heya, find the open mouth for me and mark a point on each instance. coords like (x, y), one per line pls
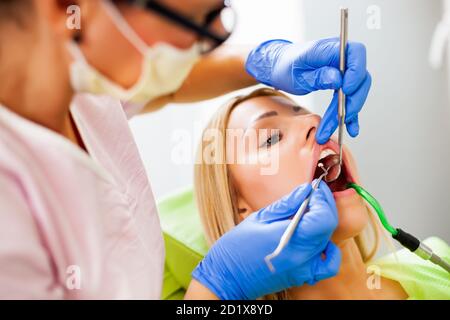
(329, 158)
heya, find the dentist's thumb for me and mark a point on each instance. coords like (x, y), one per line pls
(286, 207)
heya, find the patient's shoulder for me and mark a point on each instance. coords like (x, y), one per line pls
(421, 279)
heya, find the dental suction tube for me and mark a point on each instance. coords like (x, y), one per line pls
(407, 240)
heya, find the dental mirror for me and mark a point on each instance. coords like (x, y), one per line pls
(333, 166)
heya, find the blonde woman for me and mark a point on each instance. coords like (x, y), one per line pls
(228, 191)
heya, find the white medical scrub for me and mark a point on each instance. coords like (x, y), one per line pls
(73, 225)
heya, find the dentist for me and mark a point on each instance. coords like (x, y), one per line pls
(77, 215)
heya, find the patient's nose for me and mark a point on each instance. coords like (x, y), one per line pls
(307, 126)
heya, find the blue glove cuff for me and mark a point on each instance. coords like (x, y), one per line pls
(222, 288)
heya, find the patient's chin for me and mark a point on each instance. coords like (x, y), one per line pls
(352, 218)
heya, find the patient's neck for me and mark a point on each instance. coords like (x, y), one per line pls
(349, 283)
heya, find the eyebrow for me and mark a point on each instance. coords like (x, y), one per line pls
(265, 115)
(268, 114)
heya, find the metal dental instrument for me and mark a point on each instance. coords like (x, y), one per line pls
(287, 235)
(341, 96)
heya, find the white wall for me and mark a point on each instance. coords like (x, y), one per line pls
(403, 148)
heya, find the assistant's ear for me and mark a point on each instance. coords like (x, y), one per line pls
(65, 16)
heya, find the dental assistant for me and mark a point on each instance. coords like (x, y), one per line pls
(77, 215)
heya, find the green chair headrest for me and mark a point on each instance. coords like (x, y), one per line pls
(184, 240)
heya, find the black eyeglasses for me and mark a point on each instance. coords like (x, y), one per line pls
(209, 40)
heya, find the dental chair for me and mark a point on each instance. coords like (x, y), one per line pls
(184, 241)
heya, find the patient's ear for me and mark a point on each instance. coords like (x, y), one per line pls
(243, 209)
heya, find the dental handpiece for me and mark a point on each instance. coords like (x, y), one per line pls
(422, 250)
(287, 235)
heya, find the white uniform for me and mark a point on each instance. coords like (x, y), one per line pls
(73, 225)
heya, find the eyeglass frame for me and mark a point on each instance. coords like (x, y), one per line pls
(180, 19)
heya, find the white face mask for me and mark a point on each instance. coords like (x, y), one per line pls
(164, 67)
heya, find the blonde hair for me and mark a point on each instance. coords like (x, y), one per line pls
(216, 194)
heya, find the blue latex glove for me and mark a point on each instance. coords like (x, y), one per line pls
(235, 268)
(301, 69)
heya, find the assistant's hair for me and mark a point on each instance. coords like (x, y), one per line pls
(216, 194)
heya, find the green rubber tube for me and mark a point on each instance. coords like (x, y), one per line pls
(375, 205)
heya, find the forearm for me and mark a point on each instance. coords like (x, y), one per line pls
(197, 291)
(218, 73)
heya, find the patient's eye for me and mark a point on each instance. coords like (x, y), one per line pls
(273, 139)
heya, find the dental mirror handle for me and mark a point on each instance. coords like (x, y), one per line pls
(342, 65)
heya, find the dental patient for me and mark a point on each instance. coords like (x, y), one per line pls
(237, 183)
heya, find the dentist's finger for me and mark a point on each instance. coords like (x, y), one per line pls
(323, 78)
(323, 187)
(353, 127)
(328, 194)
(286, 207)
(356, 67)
(320, 221)
(354, 104)
(355, 101)
(329, 121)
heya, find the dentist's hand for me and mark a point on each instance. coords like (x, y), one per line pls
(301, 69)
(235, 268)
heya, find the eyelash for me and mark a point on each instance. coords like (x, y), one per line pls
(268, 144)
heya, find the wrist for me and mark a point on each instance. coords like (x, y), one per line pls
(198, 291)
(214, 275)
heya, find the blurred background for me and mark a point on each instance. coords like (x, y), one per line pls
(403, 149)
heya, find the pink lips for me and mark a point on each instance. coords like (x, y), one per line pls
(331, 144)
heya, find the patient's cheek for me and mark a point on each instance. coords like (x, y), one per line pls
(260, 190)
(353, 218)
(264, 191)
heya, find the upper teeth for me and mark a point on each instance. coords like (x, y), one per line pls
(325, 153)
